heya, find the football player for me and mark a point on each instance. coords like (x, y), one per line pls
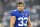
(20, 17)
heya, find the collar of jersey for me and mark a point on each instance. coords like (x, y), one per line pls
(19, 11)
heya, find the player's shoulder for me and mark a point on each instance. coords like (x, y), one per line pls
(26, 11)
(13, 11)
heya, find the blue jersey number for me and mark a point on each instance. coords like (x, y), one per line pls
(22, 23)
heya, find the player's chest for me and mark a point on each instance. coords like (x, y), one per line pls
(22, 15)
(22, 19)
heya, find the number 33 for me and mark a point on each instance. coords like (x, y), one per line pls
(22, 23)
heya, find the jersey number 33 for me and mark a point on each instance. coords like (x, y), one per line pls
(23, 21)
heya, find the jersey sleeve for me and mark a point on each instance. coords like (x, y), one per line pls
(28, 13)
(12, 13)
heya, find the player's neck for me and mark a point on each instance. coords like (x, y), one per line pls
(22, 11)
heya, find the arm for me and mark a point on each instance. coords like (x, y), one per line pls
(12, 21)
(29, 22)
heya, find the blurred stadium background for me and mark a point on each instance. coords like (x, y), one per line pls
(33, 6)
